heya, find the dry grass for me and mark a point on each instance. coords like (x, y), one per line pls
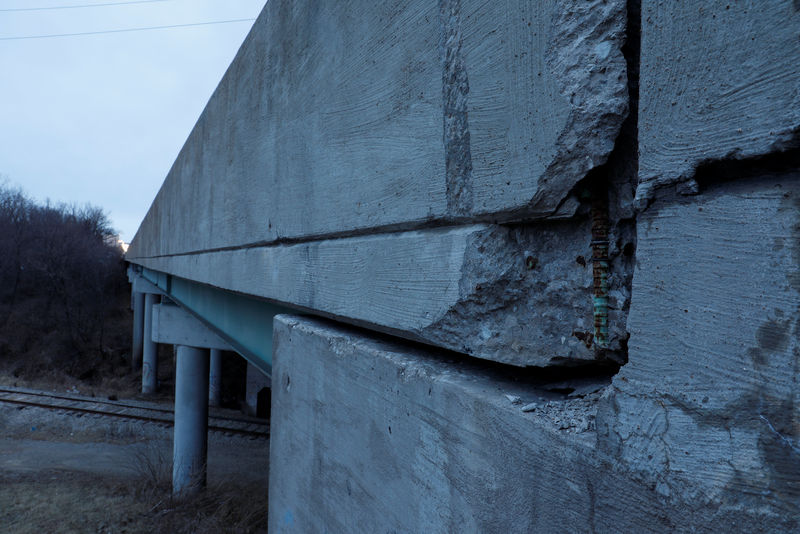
(70, 502)
(221, 507)
(67, 502)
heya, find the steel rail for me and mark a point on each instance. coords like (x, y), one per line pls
(138, 417)
(120, 404)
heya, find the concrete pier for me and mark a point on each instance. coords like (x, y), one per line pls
(138, 329)
(215, 378)
(256, 382)
(149, 348)
(191, 421)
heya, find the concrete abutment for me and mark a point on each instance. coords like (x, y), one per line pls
(372, 435)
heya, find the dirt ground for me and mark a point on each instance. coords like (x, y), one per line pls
(60, 472)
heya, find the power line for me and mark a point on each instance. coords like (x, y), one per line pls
(123, 30)
(83, 5)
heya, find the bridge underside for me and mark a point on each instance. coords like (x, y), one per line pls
(243, 321)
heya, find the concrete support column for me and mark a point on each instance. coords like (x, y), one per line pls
(215, 378)
(256, 382)
(190, 445)
(149, 348)
(138, 329)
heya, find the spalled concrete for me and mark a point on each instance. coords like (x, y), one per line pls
(711, 393)
(372, 436)
(535, 94)
(519, 294)
(343, 117)
(718, 80)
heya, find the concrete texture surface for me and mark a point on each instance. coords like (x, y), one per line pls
(343, 117)
(719, 80)
(710, 392)
(371, 436)
(520, 295)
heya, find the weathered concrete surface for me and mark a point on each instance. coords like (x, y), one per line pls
(173, 325)
(719, 79)
(711, 392)
(343, 117)
(519, 295)
(371, 436)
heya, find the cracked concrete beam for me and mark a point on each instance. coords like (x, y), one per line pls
(719, 80)
(520, 295)
(711, 388)
(351, 117)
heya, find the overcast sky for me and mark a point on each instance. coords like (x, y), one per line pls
(100, 118)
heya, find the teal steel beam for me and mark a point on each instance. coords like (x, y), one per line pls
(244, 322)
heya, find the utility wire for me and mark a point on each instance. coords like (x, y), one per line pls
(82, 5)
(123, 30)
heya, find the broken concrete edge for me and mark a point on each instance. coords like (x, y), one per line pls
(518, 294)
(585, 75)
(426, 430)
(709, 174)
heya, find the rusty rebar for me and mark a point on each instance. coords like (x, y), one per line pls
(600, 266)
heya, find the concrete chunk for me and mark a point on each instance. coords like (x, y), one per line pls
(510, 294)
(719, 80)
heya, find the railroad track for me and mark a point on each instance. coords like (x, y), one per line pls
(139, 411)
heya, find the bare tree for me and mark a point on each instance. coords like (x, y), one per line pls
(60, 271)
